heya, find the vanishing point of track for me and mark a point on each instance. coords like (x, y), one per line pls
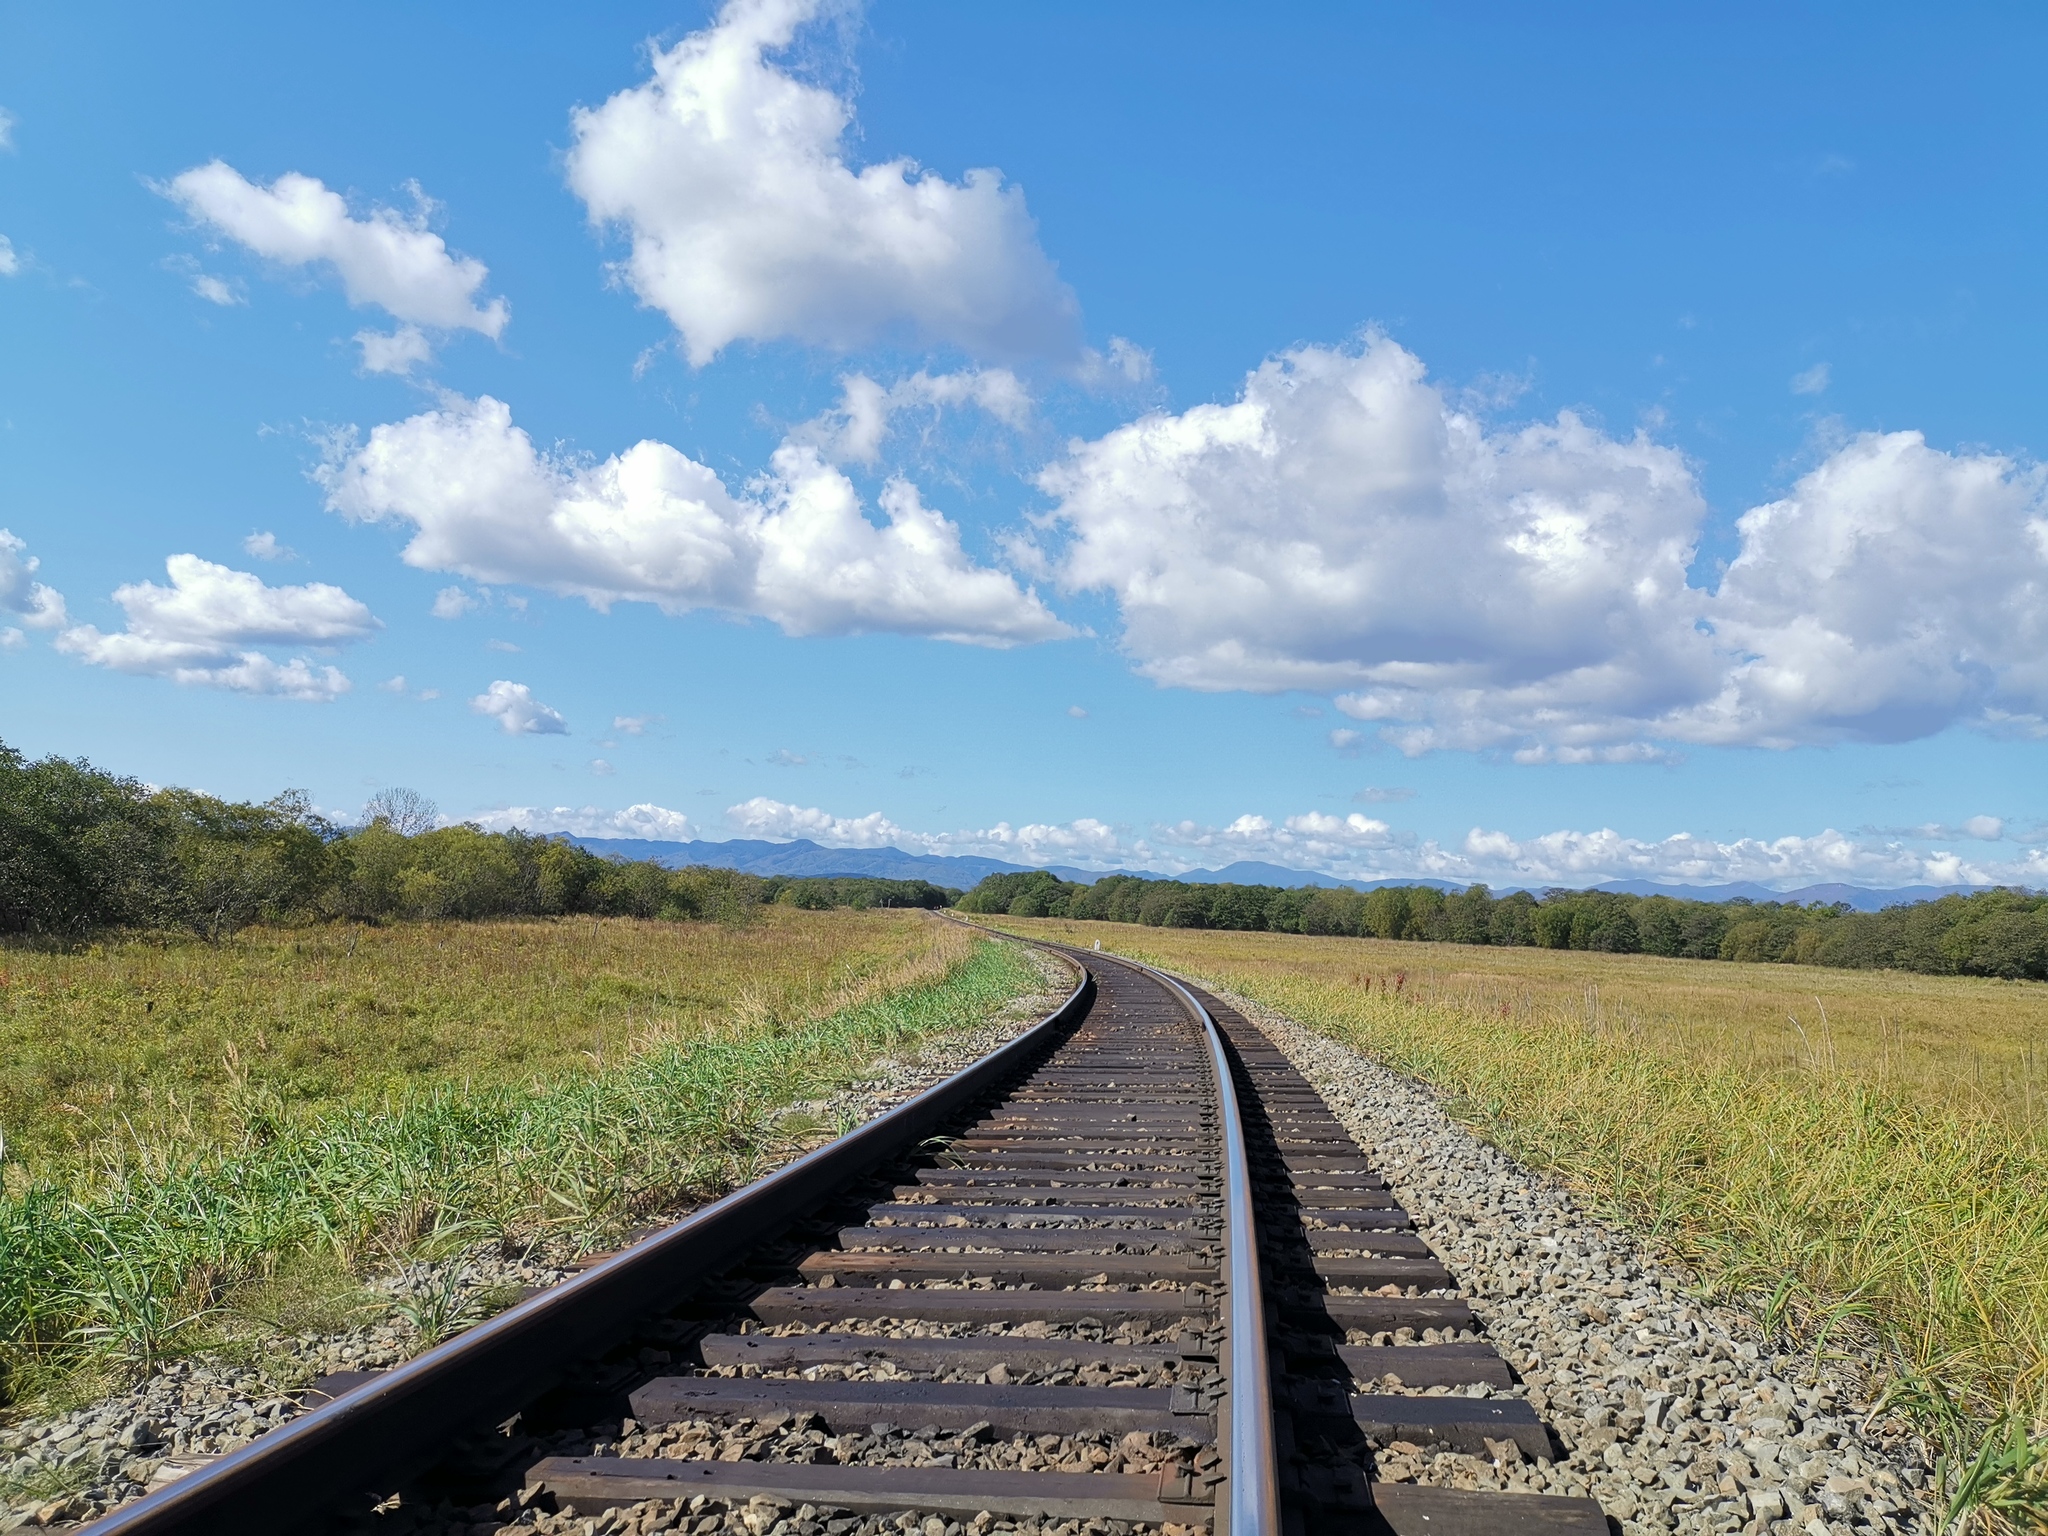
(1138, 1189)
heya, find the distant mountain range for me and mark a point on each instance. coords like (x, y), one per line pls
(804, 859)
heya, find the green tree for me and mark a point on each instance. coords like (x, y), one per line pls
(1468, 916)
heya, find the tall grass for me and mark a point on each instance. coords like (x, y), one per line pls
(1868, 1200)
(109, 1047)
(123, 1260)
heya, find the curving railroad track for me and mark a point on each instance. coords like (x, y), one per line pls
(1127, 1268)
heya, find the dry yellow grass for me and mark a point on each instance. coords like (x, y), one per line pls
(1877, 1166)
(1967, 1043)
(142, 1042)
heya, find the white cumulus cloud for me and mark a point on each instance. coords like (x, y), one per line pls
(1589, 858)
(205, 626)
(856, 428)
(517, 711)
(746, 220)
(34, 604)
(398, 352)
(654, 822)
(1310, 840)
(1082, 841)
(653, 525)
(1352, 847)
(9, 262)
(1343, 525)
(217, 290)
(453, 603)
(388, 258)
(1896, 589)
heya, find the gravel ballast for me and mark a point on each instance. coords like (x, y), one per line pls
(62, 1470)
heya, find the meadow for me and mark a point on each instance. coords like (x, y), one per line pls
(189, 1122)
(1858, 1155)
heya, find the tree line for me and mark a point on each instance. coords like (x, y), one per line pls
(82, 850)
(2002, 932)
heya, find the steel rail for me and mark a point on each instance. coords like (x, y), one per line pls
(1253, 1506)
(396, 1425)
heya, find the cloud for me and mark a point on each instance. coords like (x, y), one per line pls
(652, 525)
(11, 639)
(1342, 526)
(453, 603)
(1347, 741)
(517, 711)
(9, 262)
(1312, 839)
(388, 259)
(265, 546)
(729, 177)
(399, 352)
(1036, 843)
(856, 428)
(1352, 847)
(1897, 589)
(601, 768)
(1982, 829)
(1813, 381)
(36, 605)
(653, 822)
(6, 129)
(782, 757)
(203, 627)
(502, 645)
(1589, 858)
(633, 725)
(1128, 361)
(393, 684)
(1077, 712)
(217, 290)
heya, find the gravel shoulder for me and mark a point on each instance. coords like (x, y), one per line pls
(65, 1469)
(1675, 1414)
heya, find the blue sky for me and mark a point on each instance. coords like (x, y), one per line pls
(1480, 444)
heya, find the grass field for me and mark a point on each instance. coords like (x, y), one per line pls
(184, 1122)
(1855, 1151)
(111, 1050)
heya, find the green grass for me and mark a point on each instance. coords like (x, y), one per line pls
(123, 1261)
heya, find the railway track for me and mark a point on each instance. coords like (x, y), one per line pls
(1128, 1268)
